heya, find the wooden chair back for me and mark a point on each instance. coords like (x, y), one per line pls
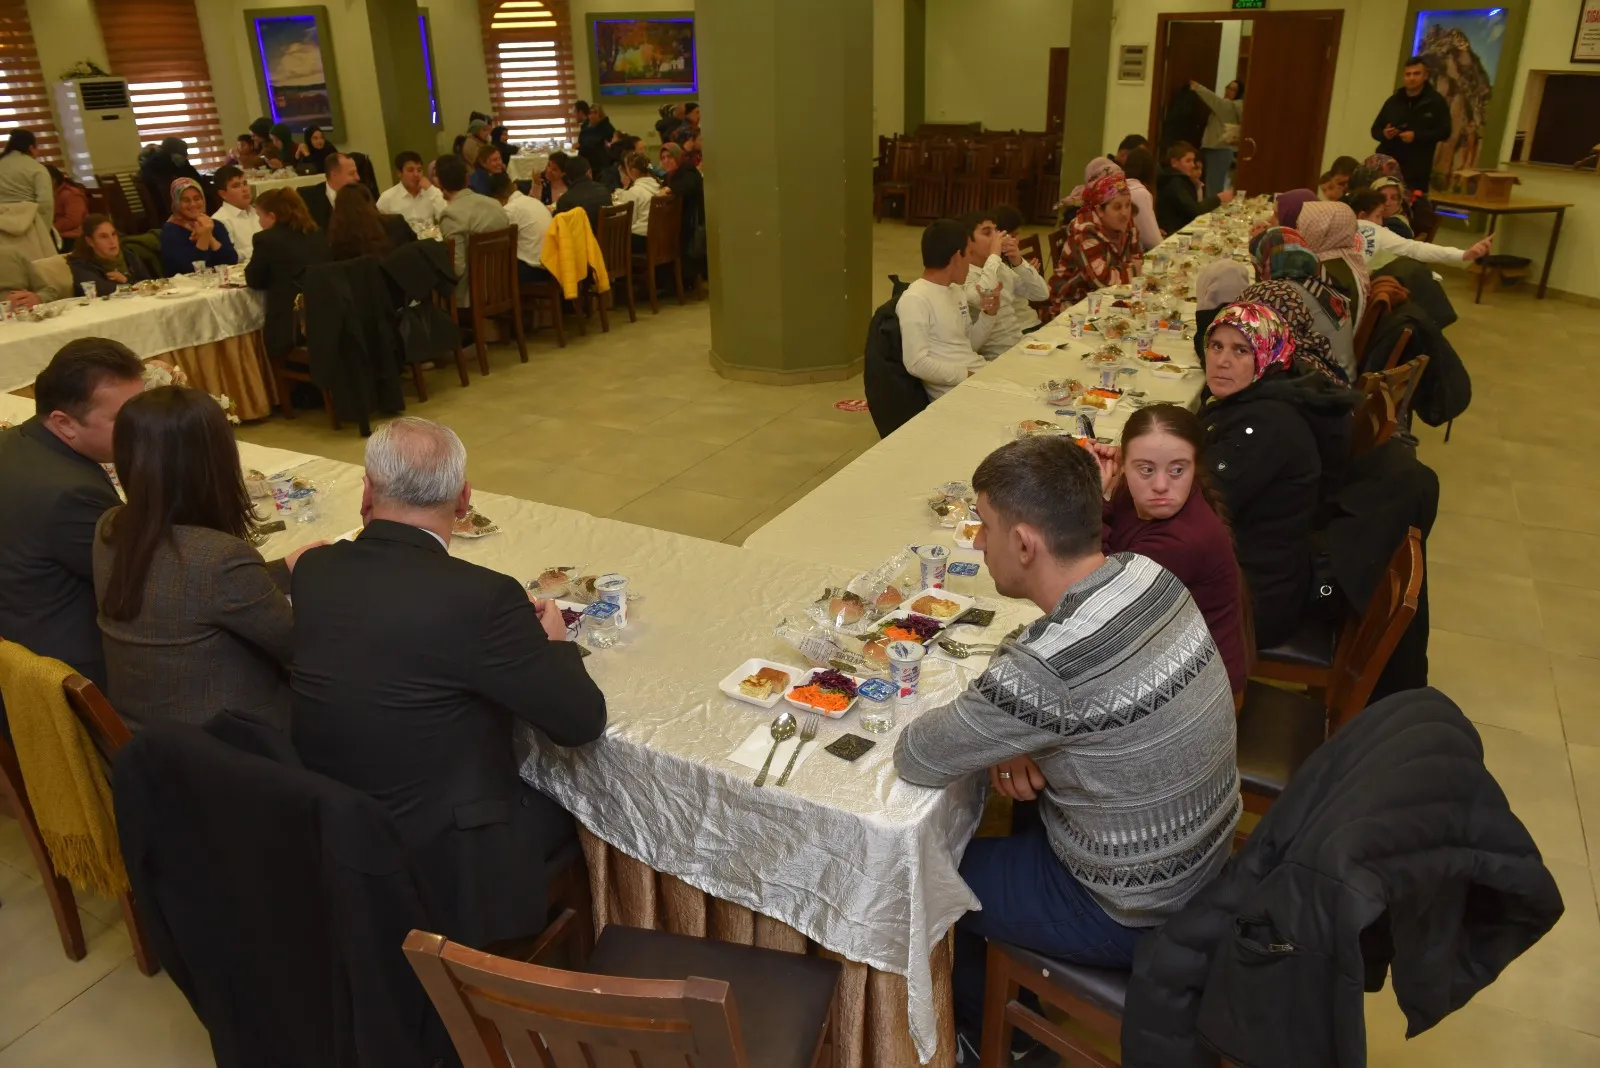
(106, 729)
(1058, 241)
(1370, 639)
(1399, 349)
(1374, 422)
(965, 195)
(1399, 382)
(940, 160)
(664, 232)
(118, 206)
(1377, 308)
(904, 159)
(1032, 251)
(614, 238)
(506, 1014)
(492, 271)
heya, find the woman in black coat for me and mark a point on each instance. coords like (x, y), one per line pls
(288, 243)
(685, 182)
(1276, 444)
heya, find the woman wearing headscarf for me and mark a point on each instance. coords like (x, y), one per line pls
(280, 149)
(1141, 192)
(1286, 206)
(191, 236)
(1101, 249)
(1218, 284)
(1275, 447)
(317, 147)
(1288, 274)
(1330, 231)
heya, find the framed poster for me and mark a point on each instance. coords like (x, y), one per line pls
(652, 54)
(1586, 40)
(293, 50)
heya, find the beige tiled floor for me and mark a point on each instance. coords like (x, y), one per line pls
(635, 426)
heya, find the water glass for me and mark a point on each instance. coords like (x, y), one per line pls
(877, 706)
(599, 624)
(199, 268)
(89, 290)
(5, 310)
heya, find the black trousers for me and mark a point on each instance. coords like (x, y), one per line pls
(533, 275)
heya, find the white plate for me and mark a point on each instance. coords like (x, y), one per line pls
(963, 543)
(805, 677)
(730, 685)
(1038, 348)
(905, 608)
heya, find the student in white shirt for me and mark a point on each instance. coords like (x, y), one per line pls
(1382, 244)
(414, 198)
(939, 336)
(639, 188)
(532, 219)
(997, 263)
(237, 213)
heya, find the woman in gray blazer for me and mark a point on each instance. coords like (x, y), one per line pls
(193, 620)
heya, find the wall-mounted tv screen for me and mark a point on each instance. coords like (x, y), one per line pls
(641, 55)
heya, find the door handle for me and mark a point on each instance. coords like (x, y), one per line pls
(1252, 155)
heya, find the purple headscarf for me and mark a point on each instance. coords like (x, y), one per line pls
(1290, 203)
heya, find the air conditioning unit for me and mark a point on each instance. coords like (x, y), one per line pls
(98, 132)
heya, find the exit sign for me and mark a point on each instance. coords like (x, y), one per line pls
(1249, 5)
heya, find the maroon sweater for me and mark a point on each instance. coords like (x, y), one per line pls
(1195, 546)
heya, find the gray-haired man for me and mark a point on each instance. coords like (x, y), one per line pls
(410, 667)
(1115, 707)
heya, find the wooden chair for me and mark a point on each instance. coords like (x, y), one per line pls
(1058, 241)
(1092, 998)
(1399, 383)
(616, 247)
(115, 193)
(492, 283)
(663, 246)
(903, 157)
(1377, 308)
(646, 998)
(109, 734)
(1374, 423)
(295, 366)
(1031, 249)
(1279, 729)
(14, 803)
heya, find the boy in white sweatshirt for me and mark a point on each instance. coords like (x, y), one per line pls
(939, 337)
(1379, 244)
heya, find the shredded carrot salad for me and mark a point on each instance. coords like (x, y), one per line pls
(817, 697)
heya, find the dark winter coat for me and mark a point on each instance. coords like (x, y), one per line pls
(1428, 115)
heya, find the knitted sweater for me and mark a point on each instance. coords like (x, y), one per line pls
(1121, 698)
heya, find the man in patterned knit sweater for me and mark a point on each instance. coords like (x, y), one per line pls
(1115, 707)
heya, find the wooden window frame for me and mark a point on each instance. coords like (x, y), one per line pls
(157, 46)
(24, 82)
(541, 39)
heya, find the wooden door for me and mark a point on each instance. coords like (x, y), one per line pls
(1191, 55)
(1055, 108)
(1281, 135)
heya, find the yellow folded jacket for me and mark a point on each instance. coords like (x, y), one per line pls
(570, 251)
(61, 768)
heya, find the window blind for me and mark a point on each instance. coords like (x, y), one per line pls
(527, 46)
(24, 92)
(156, 45)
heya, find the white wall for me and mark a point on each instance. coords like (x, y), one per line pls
(990, 62)
(458, 65)
(1228, 52)
(888, 68)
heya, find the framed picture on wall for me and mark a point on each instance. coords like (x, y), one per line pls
(1586, 41)
(293, 50)
(643, 54)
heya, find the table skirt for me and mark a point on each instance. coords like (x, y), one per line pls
(236, 366)
(872, 1003)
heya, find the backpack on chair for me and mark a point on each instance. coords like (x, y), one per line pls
(894, 395)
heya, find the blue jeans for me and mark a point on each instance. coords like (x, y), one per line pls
(1218, 161)
(1029, 899)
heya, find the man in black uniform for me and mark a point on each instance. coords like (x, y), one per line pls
(1411, 123)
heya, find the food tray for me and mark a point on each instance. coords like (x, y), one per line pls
(730, 685)
(805, 679)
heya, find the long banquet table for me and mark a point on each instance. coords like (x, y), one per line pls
(213, 334)
(847, 857)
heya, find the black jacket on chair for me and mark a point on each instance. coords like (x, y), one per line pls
(1277, 450)
(1393, 848)
(894, 395)
(1445, 389)
(416, 272)
(411, 668)
(277, 899)
(351, 338)
(278, 265)
(318, 204)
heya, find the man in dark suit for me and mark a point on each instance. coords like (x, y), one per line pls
(340, 170)
(582, 192)
(410, 667)
(52, 492)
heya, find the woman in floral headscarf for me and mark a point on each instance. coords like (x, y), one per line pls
(190, 235)
(1102, 248)
(1275, 445)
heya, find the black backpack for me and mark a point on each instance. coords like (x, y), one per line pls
(894, 395)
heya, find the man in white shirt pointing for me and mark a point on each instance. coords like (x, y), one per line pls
(1379, 244)
(939, 335)
(413, 197)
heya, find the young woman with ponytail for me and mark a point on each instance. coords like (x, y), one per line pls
(1161, 504)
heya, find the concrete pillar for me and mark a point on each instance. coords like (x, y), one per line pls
(402, 84)
(786, 88)
(1088, 75)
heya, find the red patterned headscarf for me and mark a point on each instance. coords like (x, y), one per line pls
(1265, 330)
(1104, 189)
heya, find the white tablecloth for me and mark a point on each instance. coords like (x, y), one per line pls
(149, 326)
(299, 181)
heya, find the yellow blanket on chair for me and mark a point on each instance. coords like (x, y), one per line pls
(61, 768)
(570, 252)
